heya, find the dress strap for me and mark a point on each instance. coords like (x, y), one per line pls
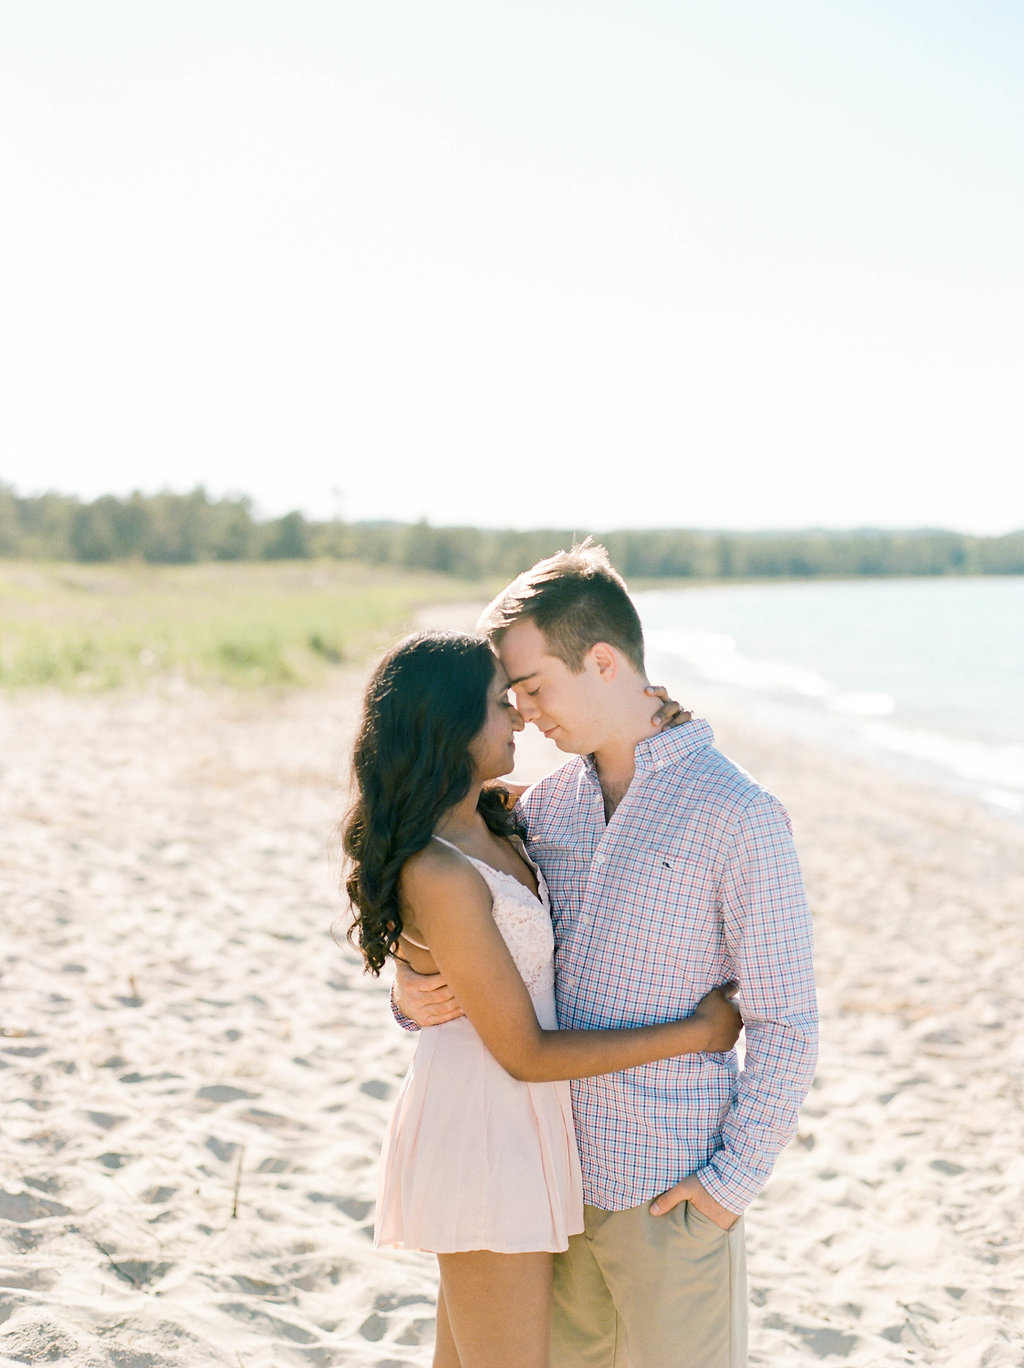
(404, 935)
(452, 845)
(501, 873)
(519, 844)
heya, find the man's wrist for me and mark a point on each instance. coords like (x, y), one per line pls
(724, 1193)
(406, 1023)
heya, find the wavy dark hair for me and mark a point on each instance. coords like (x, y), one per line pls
(426, 702)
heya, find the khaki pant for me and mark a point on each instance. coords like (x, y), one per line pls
(642, 1291)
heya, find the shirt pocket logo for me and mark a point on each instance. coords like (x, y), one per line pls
(681, 885)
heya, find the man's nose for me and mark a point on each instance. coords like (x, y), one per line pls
(524, 707)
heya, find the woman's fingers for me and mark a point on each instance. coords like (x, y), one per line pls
(671, 713)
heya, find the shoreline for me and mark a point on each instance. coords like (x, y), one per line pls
(182, 1039)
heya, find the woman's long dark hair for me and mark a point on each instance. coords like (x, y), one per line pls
(424, 705)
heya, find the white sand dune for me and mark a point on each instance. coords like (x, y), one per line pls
(194, 1079)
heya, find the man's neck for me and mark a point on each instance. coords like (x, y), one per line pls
(615, 763)
(615, 755)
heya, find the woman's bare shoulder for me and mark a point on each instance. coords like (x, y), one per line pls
(437, 870)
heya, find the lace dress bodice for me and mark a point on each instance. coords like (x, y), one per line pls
(524, 921)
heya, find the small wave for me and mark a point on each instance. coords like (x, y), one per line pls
(920, 677)
(715, 656)
(993, 771)
(999, 767)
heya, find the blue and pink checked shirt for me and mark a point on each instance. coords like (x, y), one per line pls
(693, 882)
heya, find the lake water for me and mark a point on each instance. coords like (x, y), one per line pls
(926, 675)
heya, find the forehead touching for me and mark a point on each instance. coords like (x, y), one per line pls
(500, 681)
(524, 652)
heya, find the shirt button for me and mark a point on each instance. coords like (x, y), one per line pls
(567, 981)
(599, 859)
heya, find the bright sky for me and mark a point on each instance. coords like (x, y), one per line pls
(552, 263)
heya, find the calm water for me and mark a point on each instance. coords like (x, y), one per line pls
(923, 674)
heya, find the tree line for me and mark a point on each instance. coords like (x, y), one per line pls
(172, 529)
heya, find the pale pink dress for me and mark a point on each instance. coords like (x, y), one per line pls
(473, 1158)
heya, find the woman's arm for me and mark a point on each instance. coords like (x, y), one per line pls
(452, 908)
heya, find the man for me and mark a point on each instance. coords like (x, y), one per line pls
(670, 871)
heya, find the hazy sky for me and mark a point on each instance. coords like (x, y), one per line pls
(696, 262)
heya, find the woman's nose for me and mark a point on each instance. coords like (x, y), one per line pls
(517, 720)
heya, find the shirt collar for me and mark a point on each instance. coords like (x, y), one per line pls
(667, 747)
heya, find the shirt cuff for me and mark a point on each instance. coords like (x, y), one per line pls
(406, 1023)
(734, 1195)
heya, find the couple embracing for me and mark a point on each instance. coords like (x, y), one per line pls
(595, 930)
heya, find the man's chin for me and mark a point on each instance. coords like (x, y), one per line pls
(558, 738)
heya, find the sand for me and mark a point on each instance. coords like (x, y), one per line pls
(194, 1078)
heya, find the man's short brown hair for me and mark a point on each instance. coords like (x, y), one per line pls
(577, 600)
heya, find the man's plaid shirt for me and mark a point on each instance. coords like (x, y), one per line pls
(693, 882)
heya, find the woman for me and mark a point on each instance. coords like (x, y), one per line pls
(480, 1163)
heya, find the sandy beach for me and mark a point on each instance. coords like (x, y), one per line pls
(195, 1078)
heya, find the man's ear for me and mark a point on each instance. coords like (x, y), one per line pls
(605, 659)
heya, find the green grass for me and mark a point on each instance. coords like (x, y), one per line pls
(94, 627)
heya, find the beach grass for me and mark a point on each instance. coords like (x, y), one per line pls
(87, 628)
